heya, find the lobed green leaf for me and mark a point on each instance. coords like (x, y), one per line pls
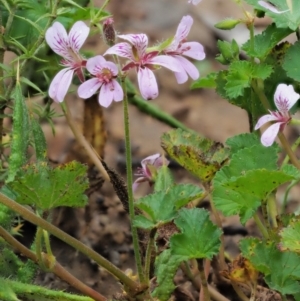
(200, 238)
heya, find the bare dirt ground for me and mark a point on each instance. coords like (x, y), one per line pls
(104, 224)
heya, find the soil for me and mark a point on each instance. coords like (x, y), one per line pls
(104, 224)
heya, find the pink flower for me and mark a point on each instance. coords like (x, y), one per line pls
(179, 48)
(268, 5)
(143, 61)
(195, 2)
(148, 171)
(105, 78)
(67, 46)
(285, 97)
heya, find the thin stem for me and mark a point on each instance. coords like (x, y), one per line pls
(239, 292)
(31, 217)
(129, 185)
(286, 194)
(213, 292)
(39, 248)
(152, 110)
(82, 141)
(57, 268)
(204, 285)
(261, 226)
(149, 252)
(294, 147)
(288, 150)
(47, 242)
(219, 224)
(264, 211)
(272, 210)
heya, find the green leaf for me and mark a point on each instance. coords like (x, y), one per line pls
(240, 75)
(164, 179)
(291, 62)
(47, 188)
(259, 183)
(20, 134)
(281, 269)
(290, 237)
(200, 238)
(166, 266)
(40, 143)
(266, 41)
(200, 156)
(162, 206)
(289, 19)
(205, 82)
(227, 199)
(241, 141)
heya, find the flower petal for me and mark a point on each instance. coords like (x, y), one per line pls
(193, 49)
(270, 134)
(121, 49)
(166, 61)
(147, 83)
(188, 68)
(60, 84)
(137, 182)
(183, 30)
(149, 160)
(118, 91)
(94, 64)
(89, 88)
(77, 35)
(139, 41)
(264, 119)
(285, 97)
(271, 7)
(106, 95)
(57, 39)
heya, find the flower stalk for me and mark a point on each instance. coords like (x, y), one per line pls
(135, 239)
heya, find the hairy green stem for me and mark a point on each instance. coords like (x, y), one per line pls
(272, 210)
(149, 251)
(82, 141)
(219, 224)
(57, 269)
(261, 226)
(135, 239)
(288, 150)
(287, 158)
(204, 285)
(31, 217)
(39, 248)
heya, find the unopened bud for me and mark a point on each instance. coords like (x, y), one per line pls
(227, 24)
(109, 32)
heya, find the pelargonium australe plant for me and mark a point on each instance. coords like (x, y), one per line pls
(177, 228)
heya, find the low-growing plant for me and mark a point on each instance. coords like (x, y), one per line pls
(239, 178)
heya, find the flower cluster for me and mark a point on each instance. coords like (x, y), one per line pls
(104, 74)
(285, 97)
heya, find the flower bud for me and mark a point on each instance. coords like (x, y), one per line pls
(227, 24)
(109, 31)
